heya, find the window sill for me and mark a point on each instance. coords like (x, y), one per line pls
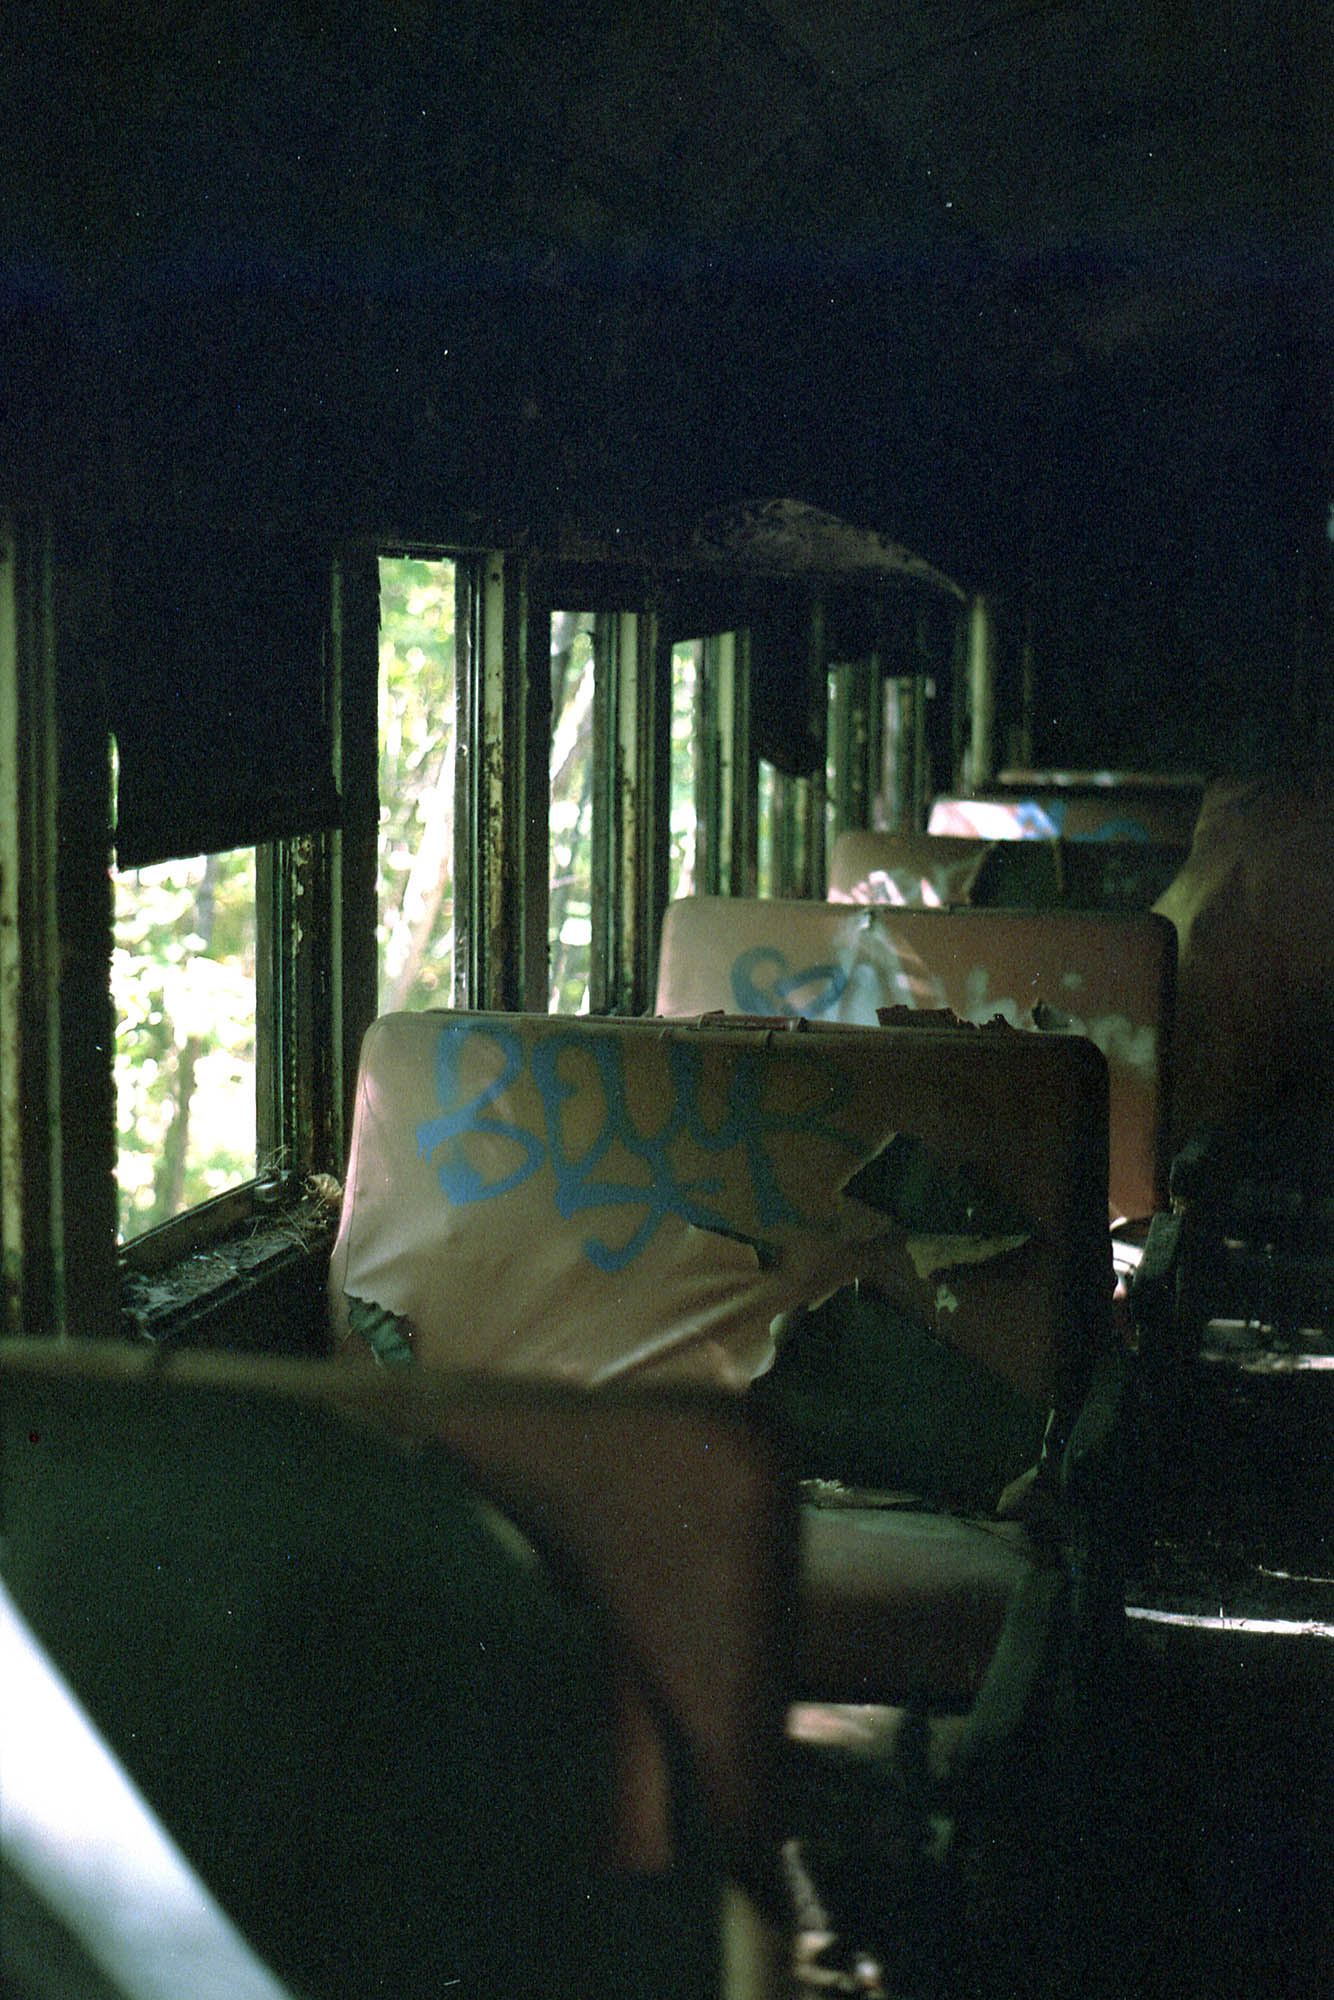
(245, 1270)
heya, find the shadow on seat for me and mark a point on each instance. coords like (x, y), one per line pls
(407, 1747)
(598, 1201)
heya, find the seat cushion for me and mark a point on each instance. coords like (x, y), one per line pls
(893, 1599)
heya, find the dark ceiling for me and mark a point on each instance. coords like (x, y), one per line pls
(1041, 289)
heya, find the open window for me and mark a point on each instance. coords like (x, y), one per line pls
(690, 751)
(418, 739)
(183, 985)
(220, 669)
(570, 855)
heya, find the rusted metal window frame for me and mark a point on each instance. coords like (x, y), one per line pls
(727, 780)
(631, 803)
(977, 748)
(502, 805)
(354, 846)
(797, 834)
(315, 985)
(855, 728)
(798, 864)
(904, 763)
(30, 1039)
(316, 974)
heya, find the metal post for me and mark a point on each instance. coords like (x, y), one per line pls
(732, 867)
(355, 845)
(813, 875)
(503, 755)
(979, 755)
(29, 952)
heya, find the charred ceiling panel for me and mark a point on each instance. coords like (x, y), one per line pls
(930, 264)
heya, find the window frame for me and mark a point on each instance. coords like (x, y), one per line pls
(317, 906)
(503, 677)
(727, 783)
(315, 983)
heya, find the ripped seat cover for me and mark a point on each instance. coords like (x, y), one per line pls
(580, 1199)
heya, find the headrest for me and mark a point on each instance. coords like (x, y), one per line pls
(913, 870)
(1112, 812)
(937, 871)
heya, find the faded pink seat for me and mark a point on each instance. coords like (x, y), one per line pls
(595, 1201)
(905, 870)
(941, 871)
(1253, 912)
(669, 1511)
(1110, 977)
(1125, 808)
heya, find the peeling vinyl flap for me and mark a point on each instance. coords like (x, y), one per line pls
(580, 1199)
(947, 1217)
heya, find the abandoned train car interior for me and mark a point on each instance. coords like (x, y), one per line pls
(666, 999)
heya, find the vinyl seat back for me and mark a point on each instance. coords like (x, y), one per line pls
(371, 1715)
(1108, 977)
(1122, 810)
(590, 1201)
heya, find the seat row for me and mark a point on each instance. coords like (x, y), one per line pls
(863, 1152)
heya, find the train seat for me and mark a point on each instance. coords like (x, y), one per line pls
(1118, 809)
(924, 870)
(1110, 977)
(596, 1201)
(908, 870)
(408, 1668)
(413, 1701)
(898, 1598)
(1252, 911)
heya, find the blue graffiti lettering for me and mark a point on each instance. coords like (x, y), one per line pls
(746, 1124)
(562, 1066)
(780, 995)
(460, 1181)
(1037, 822)
(577, 1184)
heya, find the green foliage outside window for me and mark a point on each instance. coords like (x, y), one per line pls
(183, 985)
(418, 733)
(570, 910)
(767, 831)
(685, 737)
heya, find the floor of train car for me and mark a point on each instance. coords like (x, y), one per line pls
(1199, 1868)
(1193, 1855)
